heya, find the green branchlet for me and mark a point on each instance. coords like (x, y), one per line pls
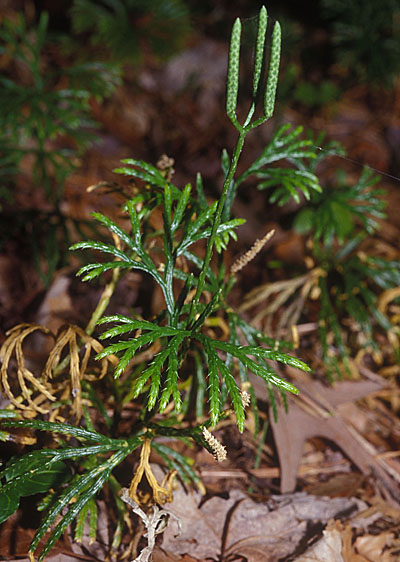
(34, 115)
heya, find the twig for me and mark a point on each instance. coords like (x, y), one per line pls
(156, 522)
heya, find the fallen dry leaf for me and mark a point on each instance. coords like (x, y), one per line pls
(63, 557)
(328, 548)
(344, 484)
(15, 541)
(99, 548)
(55, 558)
(348, 551)
(160, 555)
(223, 528)
(378, 547)
(316, 413)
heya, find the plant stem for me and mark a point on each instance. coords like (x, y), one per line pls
(217, 222)
(103, 302)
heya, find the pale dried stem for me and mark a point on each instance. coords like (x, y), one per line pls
(156, 521)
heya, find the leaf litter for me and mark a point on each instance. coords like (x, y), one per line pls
(222, 529)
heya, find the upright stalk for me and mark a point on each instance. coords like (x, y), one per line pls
(231, 105)
(217, 222)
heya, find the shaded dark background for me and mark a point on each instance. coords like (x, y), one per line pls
(339, 76)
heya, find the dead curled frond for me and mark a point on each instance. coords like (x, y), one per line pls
(384, 302)
(69, 337)
(38, 391)
(161, 493)
(34, 390)
(297, 289)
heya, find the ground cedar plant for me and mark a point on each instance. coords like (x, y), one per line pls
(172, 375)
(352, 285)
(40, 109)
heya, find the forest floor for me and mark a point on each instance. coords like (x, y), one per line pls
(324, 482)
